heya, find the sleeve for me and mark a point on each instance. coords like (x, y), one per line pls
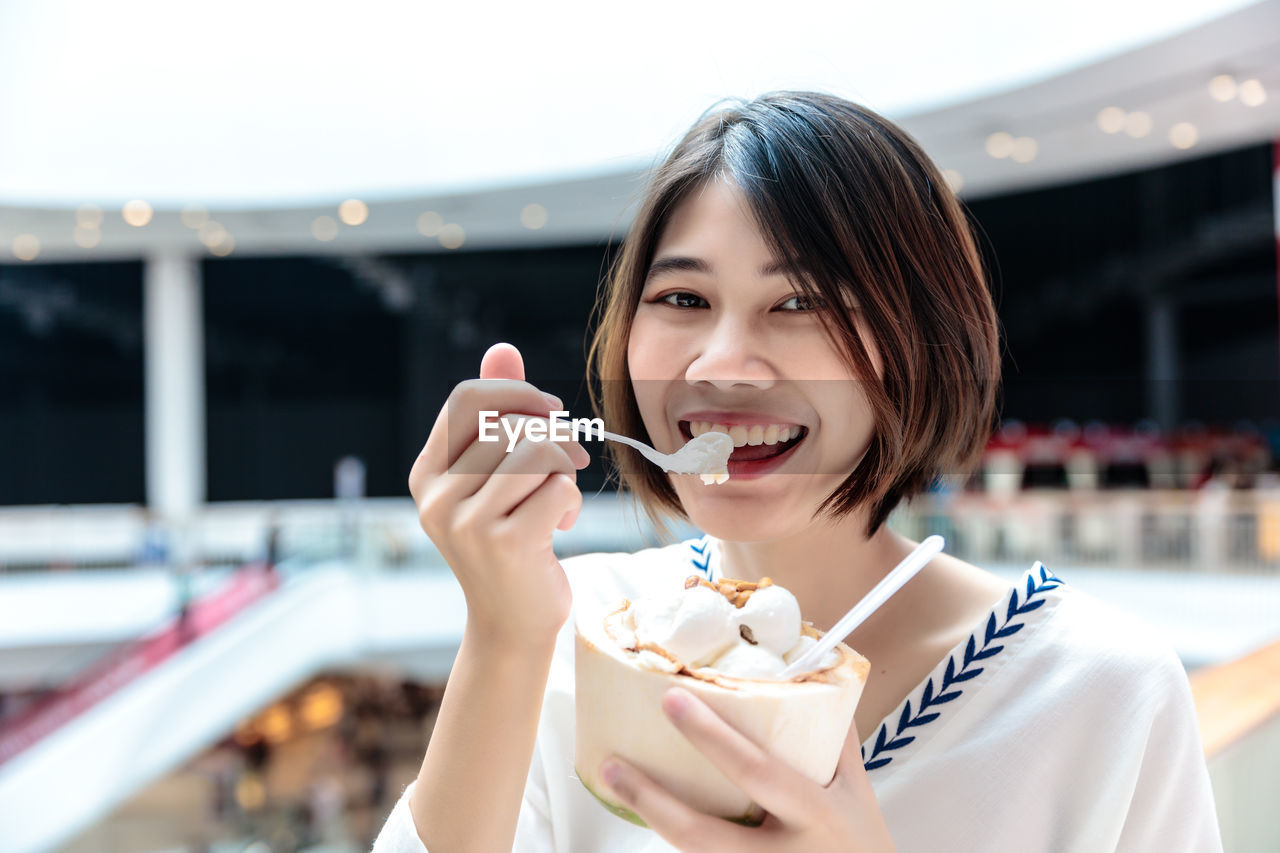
(533, 828)
(1172, 808)
(399, 835)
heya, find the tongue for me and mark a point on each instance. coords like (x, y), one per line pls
(750, 452)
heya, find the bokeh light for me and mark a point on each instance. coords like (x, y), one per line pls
(212, 233)
(353, 212)
(87, 237)
(533, 216)
(26, 247)
(1137, 124)
(324, 228)
(89, 216)
(1222, 88)
(137, 213)
(1183, 135)
(1000, 144)
(452, 236)
(430, 223)
(1252, 93)
(1024, 150)
(1111, 120)
(320, 707)
(194, 216)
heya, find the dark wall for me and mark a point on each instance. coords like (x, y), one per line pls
(312, 360)
(303, 368)
(71, 373)
(1078, 271)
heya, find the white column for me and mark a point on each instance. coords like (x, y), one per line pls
(174, 351)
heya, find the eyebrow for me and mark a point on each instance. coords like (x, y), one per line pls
(677, 263)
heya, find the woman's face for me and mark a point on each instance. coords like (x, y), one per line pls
(719, 337)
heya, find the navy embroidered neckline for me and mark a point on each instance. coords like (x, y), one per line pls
(1039, 581)
(700, 557)
(961, 666)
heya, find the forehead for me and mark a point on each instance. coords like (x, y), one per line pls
(715, 215)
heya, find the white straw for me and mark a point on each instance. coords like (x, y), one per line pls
(879, 594)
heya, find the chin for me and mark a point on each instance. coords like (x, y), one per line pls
(744, 520)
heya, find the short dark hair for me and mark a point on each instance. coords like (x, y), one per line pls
(851, 201)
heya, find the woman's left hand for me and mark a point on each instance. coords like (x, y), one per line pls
(801, 814)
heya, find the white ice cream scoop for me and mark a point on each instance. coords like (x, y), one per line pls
(772, 617)
(746, 661)
(696, 625)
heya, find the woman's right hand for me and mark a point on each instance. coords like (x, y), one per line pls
(492, 512)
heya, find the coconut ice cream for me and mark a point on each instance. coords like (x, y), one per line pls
(727, 643)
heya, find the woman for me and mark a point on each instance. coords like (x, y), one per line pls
(796, 260)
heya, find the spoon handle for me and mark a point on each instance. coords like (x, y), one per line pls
(655, 456)
(879, 594)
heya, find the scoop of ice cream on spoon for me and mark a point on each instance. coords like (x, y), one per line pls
(707, 454)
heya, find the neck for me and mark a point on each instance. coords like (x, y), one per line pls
(827, 566)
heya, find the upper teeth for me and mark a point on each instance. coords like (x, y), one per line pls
(754, 434)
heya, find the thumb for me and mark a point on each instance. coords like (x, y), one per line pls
(502, 361)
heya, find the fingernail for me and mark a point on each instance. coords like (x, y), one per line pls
(676, 703)
(553, 401)
(611, 772)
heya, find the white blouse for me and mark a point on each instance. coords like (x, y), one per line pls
(1061, 724)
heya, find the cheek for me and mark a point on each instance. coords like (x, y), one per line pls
(652, 350)
(646, 368)
(848, 425)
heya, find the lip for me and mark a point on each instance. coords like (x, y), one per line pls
(749, 469)
(737, 418)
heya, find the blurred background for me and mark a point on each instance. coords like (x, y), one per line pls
(246, 250)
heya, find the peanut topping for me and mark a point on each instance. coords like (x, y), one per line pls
(737, 592)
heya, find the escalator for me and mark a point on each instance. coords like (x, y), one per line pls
(155, 705)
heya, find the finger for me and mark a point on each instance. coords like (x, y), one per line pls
(463, 479)
(850, 769)
(458, 424)
(521, 472)
(502, 361)
(681, 826)
(776, 786)
(547, 506)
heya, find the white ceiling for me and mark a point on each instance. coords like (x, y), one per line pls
(270, 114)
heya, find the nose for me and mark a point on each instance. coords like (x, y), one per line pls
(733, 354)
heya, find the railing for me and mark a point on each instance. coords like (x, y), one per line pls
(123, 666)
(1208, 530)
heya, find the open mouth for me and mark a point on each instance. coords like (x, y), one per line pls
(755, 452)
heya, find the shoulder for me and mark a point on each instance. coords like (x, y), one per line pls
(1107, 649)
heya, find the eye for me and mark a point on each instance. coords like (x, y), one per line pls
(802, 303)
(682, 299)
